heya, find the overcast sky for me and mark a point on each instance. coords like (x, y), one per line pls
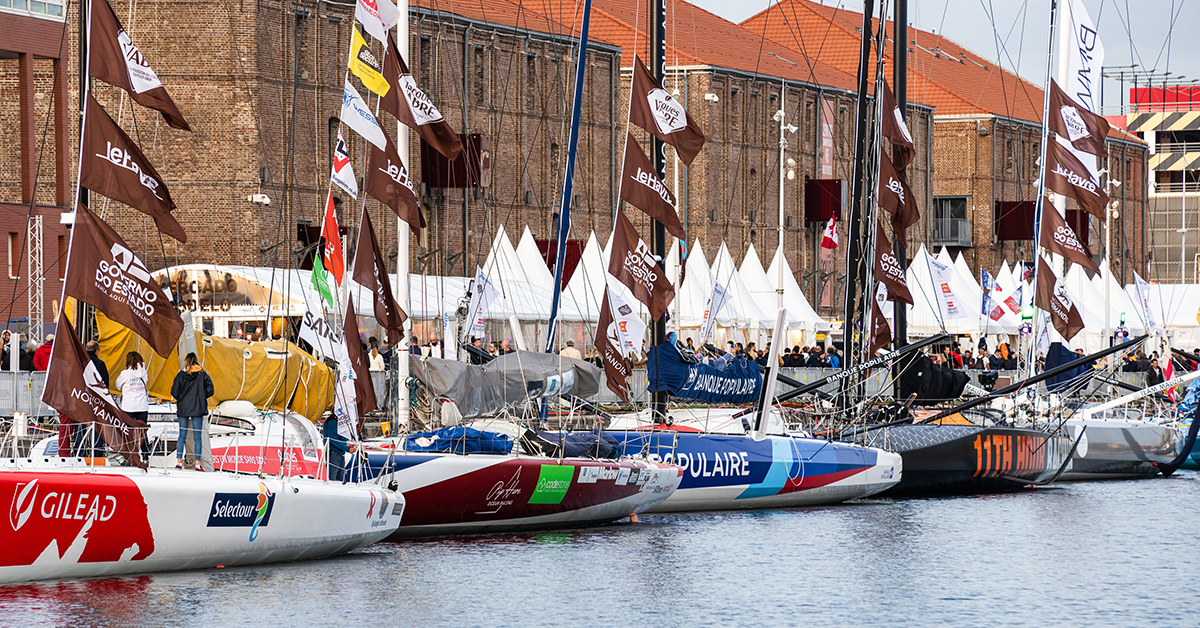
(1022, 25)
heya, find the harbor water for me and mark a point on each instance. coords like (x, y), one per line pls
(1117, 553)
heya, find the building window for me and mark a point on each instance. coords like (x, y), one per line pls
(14, 255)
(480, 76)
(51, 8)
(531, 81)
(424, 62)
(950, 207)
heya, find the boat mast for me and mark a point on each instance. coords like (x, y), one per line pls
(401, 349)
(658, 60)
(854, 224)
(900, 92)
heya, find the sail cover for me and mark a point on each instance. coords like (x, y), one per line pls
(738, 381)
(506, 381)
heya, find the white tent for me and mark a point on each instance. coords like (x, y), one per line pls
(532, 263)
(925, 316)
(793, 296)
(1176, 307)
(696, 290)
(741, 306)
(765, 295)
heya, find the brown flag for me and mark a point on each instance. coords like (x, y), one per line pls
(633, 265)
(895, 129)
(364, 390)
(653, 109)
(896, 198)
(608, 343)
(1052, 296)
(75, 389)
(1059, 237)
(1072, 121)
(887, 269)
(114, 59)
(413, 108)
(370, 271)
(115, 167)
(642, 187)
(881, 332)
(1068, 176)
(388, 182)
(104, 272)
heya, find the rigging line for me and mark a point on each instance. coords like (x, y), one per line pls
(1170, 30)
(1127, 21)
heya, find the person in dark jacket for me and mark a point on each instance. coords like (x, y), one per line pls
(191, 389)
(1154, 376)
(336, 460)
(92, 348)
(814, 359)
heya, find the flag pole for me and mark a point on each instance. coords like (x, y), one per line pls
(401, 350)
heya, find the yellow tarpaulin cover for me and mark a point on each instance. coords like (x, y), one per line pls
(259, 372)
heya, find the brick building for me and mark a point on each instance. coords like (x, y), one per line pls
(986, 133)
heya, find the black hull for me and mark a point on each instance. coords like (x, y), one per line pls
(969, 460)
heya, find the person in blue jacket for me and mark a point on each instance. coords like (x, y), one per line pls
(338, 447)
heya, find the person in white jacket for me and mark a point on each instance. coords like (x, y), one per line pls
(135, 401)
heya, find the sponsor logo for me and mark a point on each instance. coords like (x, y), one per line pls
(1061, 296)
(366, 58)
(397, 508)
(141, 77)
(96, 397)
(640, 264)
(118, 157)
(371, 508)
(897, 188)
(716, 464)
(553, 482)
(24, 497)
(649, 180)
(891, 267)
(241, 510)
(669, 115)
(591, 475)
(419, 103)
(1064, 237)
(1073, 121)
(397, 173)
(126, 280)
(502, 494)
(1081, 182)
(624, 310)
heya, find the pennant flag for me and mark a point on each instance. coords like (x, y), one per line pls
(1058, 237)
(1072, 121)
(483, 293)
(343, 172)
(1143, 290)
(896, 131)
(75, 389)
(716, 303)
(413, 108)
(365, 66)
(377, 17)
(608, 343)
(388, 182)
(653, 109)
(104, 272)
(631, 262)
(371, 272)
(948, 301)
(1085, 57)
(829, 238)
(986, 280)
(357, 116)
(320, 280)
(364, 390)
(114, 59)
(642, 187)
(115, 167)
(881, 331)
(896, 198)
(334, 261)
(1014, 302)
(887, 269)
(1052, 296)
(1068, 176)
(991, 309)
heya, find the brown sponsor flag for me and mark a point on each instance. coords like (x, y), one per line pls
(608, 343)
(75, 389)
(115, 167)
(896, 198)
(881, 332)
(1072, 121)
(1052, 296)
(1059, 237)
(364, 390)
(114, 59)
(633, 265)
(104, 272)
(653, 109)
(896, 130)
(413, 108)
(887, 269)
(388, 182)
(642, 187)
(370, 271)
(1068, 176)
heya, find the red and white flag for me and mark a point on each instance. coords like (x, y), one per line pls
(343, 171)
(332, 256)
(829, 239)
(377, 16)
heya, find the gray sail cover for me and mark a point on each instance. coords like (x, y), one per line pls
(506, 381)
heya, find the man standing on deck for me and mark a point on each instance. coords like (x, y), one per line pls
(570, 351)
(338, 447)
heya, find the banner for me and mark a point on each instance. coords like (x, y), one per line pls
(737, 381)
(644, 190)
(1052, 296)
(887, 269)
(881, 331)
(388, 182)
(948, 302)
(377, 16)
(716, 302)
(1014, 302)
(114, 59)
(413, 108)
(608, 343)
(371, 272)
(334, 260)
(483, 293)
(365, 66)
(326, 341)
(115, 167)
(1085, 57)
(633, 265)
(1143, 290)
(357, 116)
(896, 131)
(105, 273)
(896, 198)
(991, 309)
(75, 389)
(1058, 237)
(630, 330)
(653, 109)
(1068, 176)
(343, 172)
(1072, 121)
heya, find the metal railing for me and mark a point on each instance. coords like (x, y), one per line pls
(952, 232)
(1172, 147)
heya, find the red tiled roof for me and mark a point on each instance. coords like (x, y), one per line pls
(533, 16)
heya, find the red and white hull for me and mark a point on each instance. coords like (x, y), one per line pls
(69, 522)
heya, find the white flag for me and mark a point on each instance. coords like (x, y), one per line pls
(345, 406)
(482, 296)
(1084, 58)
(630, 330)
(357, 116)
(377, 16)
(1143, 290)
(948, 302)
(325, 340)
(343, 172)
(720, 296)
